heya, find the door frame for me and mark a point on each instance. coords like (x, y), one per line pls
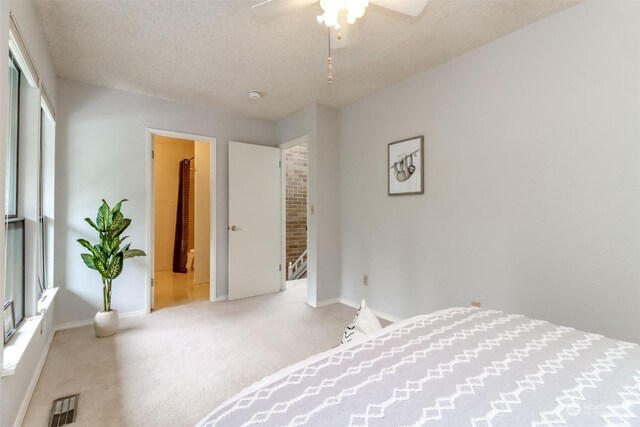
(213, 142)
(283, 203)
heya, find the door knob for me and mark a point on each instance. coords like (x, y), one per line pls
(233, 228)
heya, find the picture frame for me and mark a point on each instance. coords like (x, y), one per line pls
(405, 167)
(9, 320)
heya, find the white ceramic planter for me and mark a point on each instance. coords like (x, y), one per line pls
(106, 323)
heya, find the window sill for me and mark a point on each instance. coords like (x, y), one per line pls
(16, 347)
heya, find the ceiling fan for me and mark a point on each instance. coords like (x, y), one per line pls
(336, 14)
(266, 10)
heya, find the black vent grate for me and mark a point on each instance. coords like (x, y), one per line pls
(64, 411)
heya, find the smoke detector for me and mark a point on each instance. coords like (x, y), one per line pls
(255, 95)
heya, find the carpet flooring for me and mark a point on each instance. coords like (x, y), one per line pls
(173, 366)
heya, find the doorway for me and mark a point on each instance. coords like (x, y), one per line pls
(182, 239)
(295, 171)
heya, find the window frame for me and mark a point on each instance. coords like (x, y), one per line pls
(18, 220)
(13, 61)
(41, 240)
(14, 217)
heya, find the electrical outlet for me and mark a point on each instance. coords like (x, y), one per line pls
(476, 304)
(366, 280)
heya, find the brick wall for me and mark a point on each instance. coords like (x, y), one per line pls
(296, 172)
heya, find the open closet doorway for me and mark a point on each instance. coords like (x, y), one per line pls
(295, 178)
(181, 234)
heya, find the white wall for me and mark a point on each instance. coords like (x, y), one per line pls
(532, 199)
(324, 179)
(18, 388)
(101, 153)
(320, 124)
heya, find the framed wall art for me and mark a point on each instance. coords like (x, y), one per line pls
(406, 167)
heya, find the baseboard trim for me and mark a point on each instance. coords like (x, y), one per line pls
(385, 316)
(129, 314)
(221, 298)
(86, 322)
(34, 380)
(318, 304)
(71, 325)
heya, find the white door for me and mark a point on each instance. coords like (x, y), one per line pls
(254, 220)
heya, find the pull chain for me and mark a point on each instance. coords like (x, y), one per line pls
(329, 62)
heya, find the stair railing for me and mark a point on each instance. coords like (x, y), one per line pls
(295, 266)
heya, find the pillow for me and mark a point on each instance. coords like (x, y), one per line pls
(364, 323)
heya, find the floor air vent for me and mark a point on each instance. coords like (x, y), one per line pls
(64, 411)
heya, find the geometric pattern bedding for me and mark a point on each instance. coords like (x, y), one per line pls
(458, 367)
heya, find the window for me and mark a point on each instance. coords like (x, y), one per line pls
(15, 272)
(29, 190)
(46, 180)
(11, 190)
(45, 197)
(14, 288)
(41, 244)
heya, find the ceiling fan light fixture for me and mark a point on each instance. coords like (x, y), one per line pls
(330, 20)
(354, 9)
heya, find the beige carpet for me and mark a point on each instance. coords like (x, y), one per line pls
(174, 366)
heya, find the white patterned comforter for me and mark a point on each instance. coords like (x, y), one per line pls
(458, 367)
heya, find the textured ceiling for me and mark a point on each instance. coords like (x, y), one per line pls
(211, 53)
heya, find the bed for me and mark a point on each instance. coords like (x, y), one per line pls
(457, 367)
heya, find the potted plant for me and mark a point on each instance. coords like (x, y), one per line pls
(107, 258)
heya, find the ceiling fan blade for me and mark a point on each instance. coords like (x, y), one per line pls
(407, 7)
(269, 10)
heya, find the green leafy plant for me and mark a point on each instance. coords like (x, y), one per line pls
(108, 255)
